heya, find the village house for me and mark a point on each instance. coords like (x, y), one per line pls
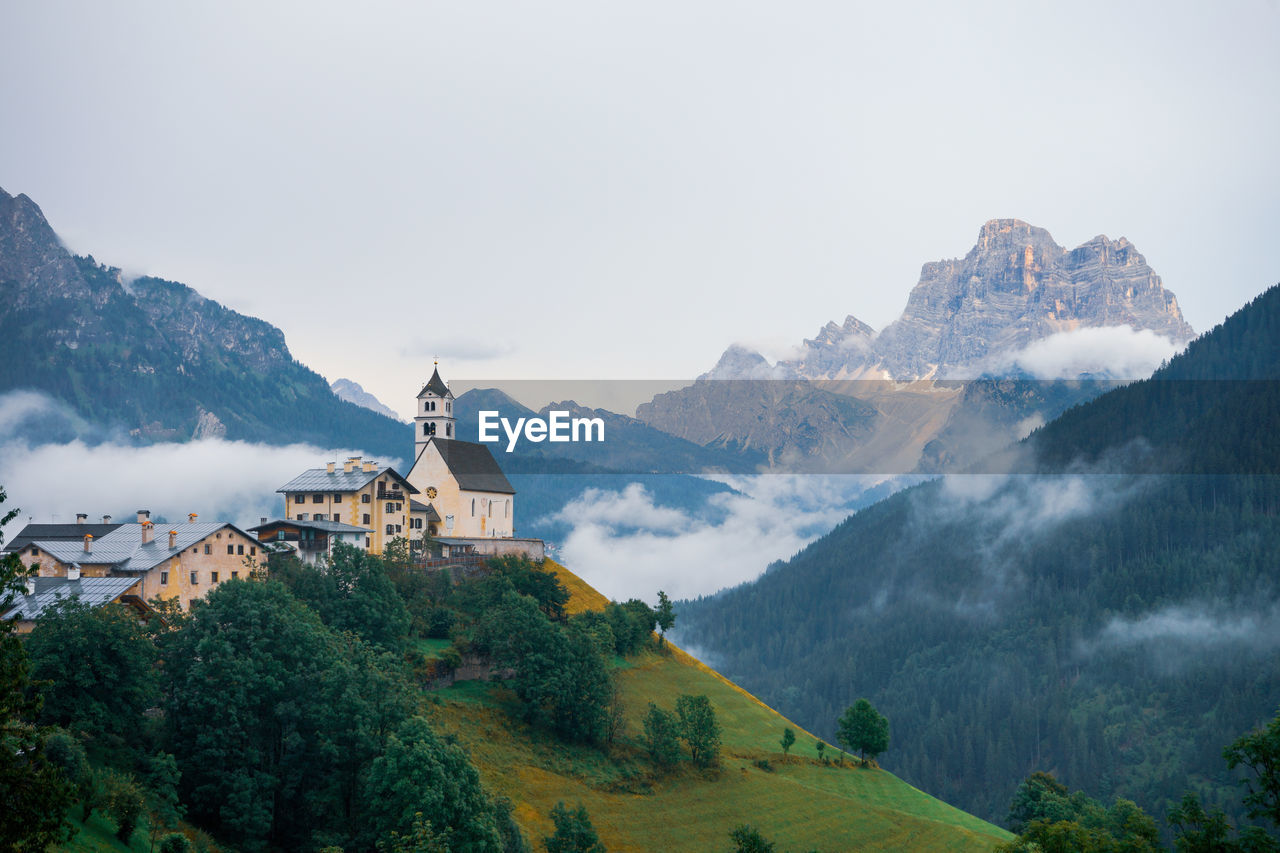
(309, 540)
(357, 493)
(182, 563)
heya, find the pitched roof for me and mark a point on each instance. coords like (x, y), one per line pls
(321, 480)
(65, 532)
(326, 526)
(435, 385)
(92, 591)
(416, 506)
(472, 465)
(122, 549)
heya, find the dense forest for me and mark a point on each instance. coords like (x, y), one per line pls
(1114, 620)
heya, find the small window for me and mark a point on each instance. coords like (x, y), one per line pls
(299, 498)
(164, 577)
(231, 549)
(280, 535)
(195, 578)
(208, 549)
(337, 517)
(213, 577)
(448, 407)
(391, 507)
(35, 552)
(253, 552)
(397, 528)
(319, 516)
(368, 542)
(391, 528)
(364, 499)
(506, 510)
(235, 575)
(317, 499)
(473, 507)
(337, 498)
(448, 430)
(240, 550)
(302, 516)
(366, 518)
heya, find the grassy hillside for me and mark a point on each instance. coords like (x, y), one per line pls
(800, 803)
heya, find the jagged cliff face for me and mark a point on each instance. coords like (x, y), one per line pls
(154, 358)
(1014, 287)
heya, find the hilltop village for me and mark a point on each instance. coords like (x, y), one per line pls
(453, 505)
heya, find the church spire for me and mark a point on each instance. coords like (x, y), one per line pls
(434, 417)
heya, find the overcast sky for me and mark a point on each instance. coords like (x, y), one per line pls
(619, 190)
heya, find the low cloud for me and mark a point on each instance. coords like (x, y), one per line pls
(627, 546)
(1197, 624)
(221, 480)
(1116, 352)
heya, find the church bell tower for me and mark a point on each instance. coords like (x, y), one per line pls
(434, 413)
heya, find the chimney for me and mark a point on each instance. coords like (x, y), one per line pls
(370, 466)
(88, 543)
(73, 572)
(31, 585)
(263, 520)
(331, 466)
(191, 518)
(148, 532)
(144, 515)
(106, 519)
(81, 517)
(173, 539)
(352, 463)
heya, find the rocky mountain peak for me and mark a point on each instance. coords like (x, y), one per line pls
(1015, 286)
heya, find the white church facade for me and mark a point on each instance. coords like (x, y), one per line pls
(458, 481)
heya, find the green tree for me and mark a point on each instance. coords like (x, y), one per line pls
(272, 717)
(124, 804)
(36, 795)
(662, 736)
(788, 740)
(574, 832)
(106, 684)
(528, 578)
(1197, 830)
(420, 777)
(1039, 797)
(821, 748)
(164, 809)
(699, 729)
(1259, 751)
(747, 839)
(352, 592)
(421, 838)
(863, 729)
(666, 617)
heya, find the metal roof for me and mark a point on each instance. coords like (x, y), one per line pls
(435, 385)
(327, 526)
(122, 548)
(51, 532)
(321, 480)
(472, 465)
(94, 592)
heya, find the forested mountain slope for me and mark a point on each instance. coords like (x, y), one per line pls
(1115, 627)
(154, 359)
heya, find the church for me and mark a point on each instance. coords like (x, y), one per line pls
(466, 494)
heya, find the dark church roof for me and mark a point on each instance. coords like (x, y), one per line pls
(473, 466)
(435, 385)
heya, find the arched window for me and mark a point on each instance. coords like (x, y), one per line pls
(473, 507)
(426, 429)
(431, 429)
(448, 430)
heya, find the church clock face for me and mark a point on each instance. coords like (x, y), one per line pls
(431, 493)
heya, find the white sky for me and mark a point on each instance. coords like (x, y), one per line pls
(619, 190)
